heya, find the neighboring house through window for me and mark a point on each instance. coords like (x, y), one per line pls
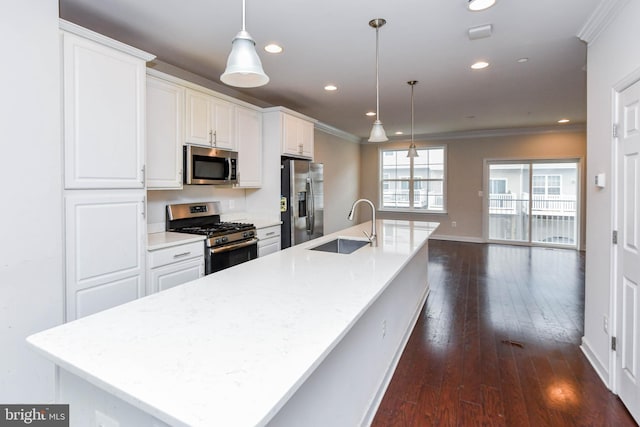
(413, 184)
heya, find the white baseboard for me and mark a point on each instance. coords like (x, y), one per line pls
(599, 367)
(457, 238)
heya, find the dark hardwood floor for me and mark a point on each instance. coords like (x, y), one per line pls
(497, 344)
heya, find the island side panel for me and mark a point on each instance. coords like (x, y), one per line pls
(92, 406)
(347, 387)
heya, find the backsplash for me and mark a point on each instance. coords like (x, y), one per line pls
(231, 201)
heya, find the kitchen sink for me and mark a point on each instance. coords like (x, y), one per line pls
(341, 245)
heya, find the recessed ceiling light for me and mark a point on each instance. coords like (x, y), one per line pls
(371, 113)
(399, 132)
(273, 48)
(522, 60)
(477, 5)
(480, 65)
(564, 121)
(330, 88)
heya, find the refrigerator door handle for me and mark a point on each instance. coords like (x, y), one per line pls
(311, 210)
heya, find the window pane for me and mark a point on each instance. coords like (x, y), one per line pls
(395, 194)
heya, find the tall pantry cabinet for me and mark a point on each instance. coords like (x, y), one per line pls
(104, 170)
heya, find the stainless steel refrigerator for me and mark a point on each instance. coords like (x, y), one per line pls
(302, 204)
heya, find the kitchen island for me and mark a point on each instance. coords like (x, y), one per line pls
(299, 337)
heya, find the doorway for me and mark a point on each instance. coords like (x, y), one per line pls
(533, 202)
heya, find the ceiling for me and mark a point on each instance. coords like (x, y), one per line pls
(330, 41)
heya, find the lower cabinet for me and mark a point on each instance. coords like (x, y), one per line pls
(173, 266)
(105, 236)
(268, 240)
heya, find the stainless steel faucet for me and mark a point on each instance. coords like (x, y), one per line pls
(372, 236)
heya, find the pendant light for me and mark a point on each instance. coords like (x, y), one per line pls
(412, 148)
(377, 131)
(244, 68)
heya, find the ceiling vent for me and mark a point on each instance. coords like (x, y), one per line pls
(480, 32)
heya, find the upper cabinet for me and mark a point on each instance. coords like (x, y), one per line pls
(249, 138)
(210, 121)
(291, 130)
(297, 137)
(104, 114)
(165, 130)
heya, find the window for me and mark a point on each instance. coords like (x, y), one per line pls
(546, 184)
(413, 184)
(498, 186)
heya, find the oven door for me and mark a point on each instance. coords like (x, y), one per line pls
(226, 256)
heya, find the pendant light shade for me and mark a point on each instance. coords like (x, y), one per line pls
(244, 68)
(377, 131)
(412, 148)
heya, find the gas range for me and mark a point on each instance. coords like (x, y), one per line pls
(230, 242)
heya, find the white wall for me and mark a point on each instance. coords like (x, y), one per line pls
(31, 284)
(612, 56)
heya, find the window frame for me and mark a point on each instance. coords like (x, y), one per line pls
(411, 181)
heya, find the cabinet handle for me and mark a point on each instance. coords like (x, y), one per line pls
(215, 138)
(143, 170)
(270, 234)
(211, 137)
(182, 255)
(300, 150)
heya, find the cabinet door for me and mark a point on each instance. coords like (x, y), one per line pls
(105, 235)
(223, 125)
(104, 108)
(306, 132)
(297, 137)
(199, 113)
(291, 135)
(249, 140)
(171, 275)
(165, 121)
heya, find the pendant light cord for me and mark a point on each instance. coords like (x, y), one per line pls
(377, 80)
(412, 114)
(243, 14)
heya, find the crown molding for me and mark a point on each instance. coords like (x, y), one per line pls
(488, 133)
(337, 132)
(76, 29)
(600, 19)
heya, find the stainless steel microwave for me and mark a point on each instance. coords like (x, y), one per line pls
(203, 165)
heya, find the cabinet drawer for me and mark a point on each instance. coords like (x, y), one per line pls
(268, 232)
(173, 254)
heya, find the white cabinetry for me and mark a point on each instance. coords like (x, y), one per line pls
(249, 144)
(297, 137)
(268, 240)
(165, 130)
(209, 121)
(292, 131)
(104, 85)
(173, 266)
(104, 124)
(105, 235)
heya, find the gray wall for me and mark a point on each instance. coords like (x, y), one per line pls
(341, 161)
(465, 174)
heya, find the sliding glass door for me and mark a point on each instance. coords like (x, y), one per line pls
(533, 202)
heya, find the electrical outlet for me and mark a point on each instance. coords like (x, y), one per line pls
(454, 224)
(605, 323)
(104, 421)
(232, 204)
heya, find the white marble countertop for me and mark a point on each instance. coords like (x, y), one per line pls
(167, 239)
(231, 348)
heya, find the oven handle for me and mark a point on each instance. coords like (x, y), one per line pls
(232, 246)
